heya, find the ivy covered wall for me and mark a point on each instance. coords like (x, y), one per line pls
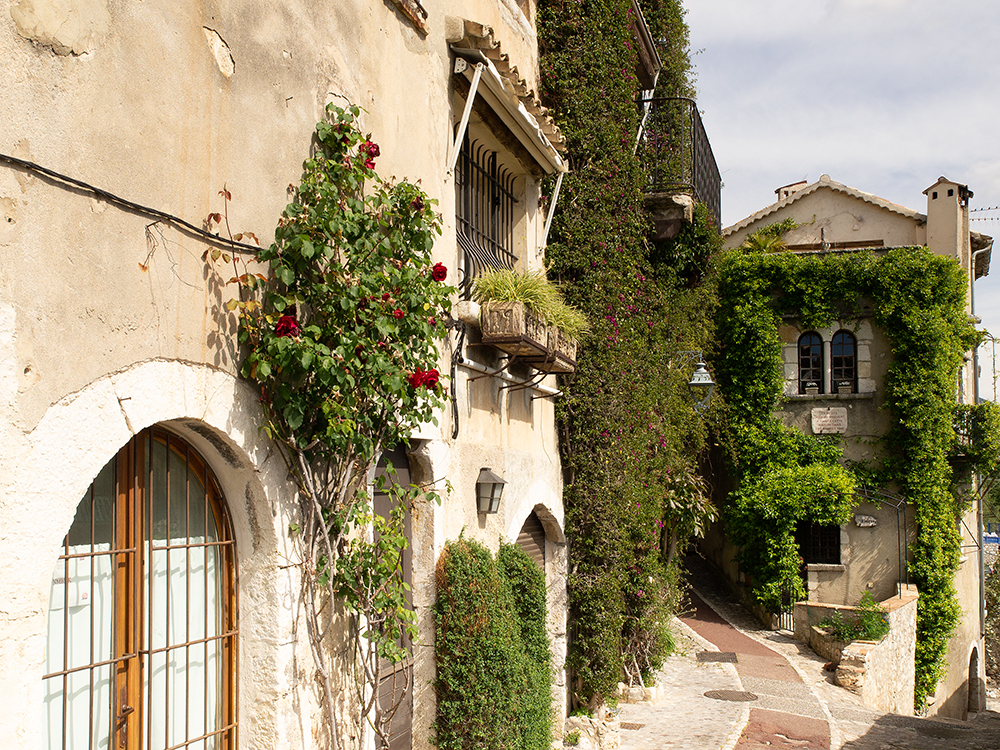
(629, 436)
(918, 300)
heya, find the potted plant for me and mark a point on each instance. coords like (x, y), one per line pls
(523, 313)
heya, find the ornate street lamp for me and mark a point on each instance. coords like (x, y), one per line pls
(700, 387)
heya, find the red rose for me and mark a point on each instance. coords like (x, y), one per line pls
(439, 272)
(431, 378)
(428, 379)
(397, 313)
(370, 150)
(287, 326)
(386, 296)
(417, 204)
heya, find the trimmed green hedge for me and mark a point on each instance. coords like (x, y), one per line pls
(494, 668)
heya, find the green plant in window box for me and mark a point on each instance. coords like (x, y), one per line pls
(536, 292)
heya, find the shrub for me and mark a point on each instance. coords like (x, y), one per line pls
(493, 665)
(870, 622)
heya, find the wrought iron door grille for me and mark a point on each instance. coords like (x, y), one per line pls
(143, 633)
(485, 210)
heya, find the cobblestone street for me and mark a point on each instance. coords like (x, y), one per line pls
(701, 704)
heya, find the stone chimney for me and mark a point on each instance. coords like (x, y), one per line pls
(785, 190)
(948, 220)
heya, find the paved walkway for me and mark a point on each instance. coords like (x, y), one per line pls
(797, 704)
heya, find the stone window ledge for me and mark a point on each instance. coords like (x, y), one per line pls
(825, 568)
(831, 396)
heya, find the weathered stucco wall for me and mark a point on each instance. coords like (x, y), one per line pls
(110, 321)
(828, 215)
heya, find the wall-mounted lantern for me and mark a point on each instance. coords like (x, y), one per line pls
(701, 387)
(489, 488)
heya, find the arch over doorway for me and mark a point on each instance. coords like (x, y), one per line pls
(52, 465)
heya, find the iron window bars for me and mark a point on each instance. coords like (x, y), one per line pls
(819, 544)
(147, 656)
(485, 210)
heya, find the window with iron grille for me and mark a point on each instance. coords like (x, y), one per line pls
(486, 210)
(818, 543)
(843, 356)
(810, 363)
(142, 638)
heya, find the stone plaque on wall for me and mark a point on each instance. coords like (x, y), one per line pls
(829, 420)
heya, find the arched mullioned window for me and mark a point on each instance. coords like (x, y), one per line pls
(844, 362)
(142, 629)
(810, 363)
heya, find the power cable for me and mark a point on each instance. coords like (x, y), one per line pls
(129, 205)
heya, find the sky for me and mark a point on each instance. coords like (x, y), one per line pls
(882, 95)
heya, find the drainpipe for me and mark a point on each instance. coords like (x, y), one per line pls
(975, 400)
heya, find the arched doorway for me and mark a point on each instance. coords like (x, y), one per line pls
(975, 703)
(142, 637)
(396, 683)
(531, 539)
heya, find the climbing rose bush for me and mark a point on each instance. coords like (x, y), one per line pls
(354, 307)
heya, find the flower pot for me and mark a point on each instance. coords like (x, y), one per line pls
(511, 328)
(561, 355)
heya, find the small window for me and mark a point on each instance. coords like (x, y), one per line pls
(844, 359)
(810, 363)
(819, 544)
(486, 210)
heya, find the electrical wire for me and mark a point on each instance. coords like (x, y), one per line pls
(129, 205)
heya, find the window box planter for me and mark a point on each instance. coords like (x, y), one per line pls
(512, 329)
(561, 354)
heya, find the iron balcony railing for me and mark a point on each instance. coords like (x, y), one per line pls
(675, 153)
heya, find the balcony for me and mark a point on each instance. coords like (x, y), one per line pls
(674, 151)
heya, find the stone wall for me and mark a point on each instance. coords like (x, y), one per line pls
(881, 673)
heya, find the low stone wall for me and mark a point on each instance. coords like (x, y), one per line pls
(597, 733)
(881, 673)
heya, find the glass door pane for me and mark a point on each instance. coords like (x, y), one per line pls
(183, 584)
(80, 636)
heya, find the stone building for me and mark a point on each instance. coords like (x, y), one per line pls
(833, 384)
(132, 445)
